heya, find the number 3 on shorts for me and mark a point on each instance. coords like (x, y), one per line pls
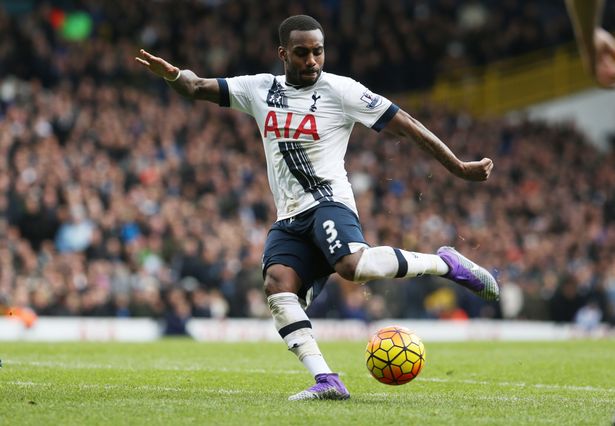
(329, 227)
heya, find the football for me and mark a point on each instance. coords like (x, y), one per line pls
(395, 355)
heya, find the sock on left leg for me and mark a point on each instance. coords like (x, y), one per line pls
(389, 262)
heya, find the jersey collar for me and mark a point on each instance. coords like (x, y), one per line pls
(296, 87)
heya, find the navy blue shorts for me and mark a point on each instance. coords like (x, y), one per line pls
(312, 243)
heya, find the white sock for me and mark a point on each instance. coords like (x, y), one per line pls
(389, 262)
(296, 329)
(316, 364)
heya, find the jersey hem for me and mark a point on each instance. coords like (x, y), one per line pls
(316, 204)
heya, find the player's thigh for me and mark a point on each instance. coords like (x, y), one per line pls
(337, 232)
(296, 252)
(280, 278)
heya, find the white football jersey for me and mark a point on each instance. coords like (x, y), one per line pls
(305, 133)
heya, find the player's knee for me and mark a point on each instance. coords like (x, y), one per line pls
(281, 279)
(347, 266)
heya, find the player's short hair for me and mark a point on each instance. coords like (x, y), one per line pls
(299, 23)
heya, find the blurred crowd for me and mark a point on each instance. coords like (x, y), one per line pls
(119, 198)
(388, 45)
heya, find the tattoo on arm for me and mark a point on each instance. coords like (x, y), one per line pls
(428, 142)
(191, 86)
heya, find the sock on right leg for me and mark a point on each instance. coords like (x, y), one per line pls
(295, 328)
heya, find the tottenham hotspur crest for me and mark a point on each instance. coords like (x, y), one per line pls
(315, 97)
(276, 97)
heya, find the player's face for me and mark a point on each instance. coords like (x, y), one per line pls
(303, 57)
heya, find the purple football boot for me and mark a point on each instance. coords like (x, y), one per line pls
(328, 386)
(468, 274)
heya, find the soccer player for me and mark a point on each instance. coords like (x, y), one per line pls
(596, 45)
(305, 118)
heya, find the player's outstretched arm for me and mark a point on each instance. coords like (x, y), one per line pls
(597, 46)
(185, 82)
(405, 126)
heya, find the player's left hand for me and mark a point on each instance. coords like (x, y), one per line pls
(604, 67)
(157, 65)
(476, 170)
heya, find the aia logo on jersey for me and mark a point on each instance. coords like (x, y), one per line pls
(293, 127)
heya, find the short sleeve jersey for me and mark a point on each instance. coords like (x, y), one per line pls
(305, 133)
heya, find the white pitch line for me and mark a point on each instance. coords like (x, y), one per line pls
(519, 385)
(164, 367)
(126, 386)
(96, 386)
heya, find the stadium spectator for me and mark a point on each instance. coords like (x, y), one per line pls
(178, 313)
(76, 233)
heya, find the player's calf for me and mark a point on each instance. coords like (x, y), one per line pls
(346, 267)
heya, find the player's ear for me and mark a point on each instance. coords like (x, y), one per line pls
(282, 53)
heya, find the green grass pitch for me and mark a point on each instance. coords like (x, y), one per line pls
(179, 382)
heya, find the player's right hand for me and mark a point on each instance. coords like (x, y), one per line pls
(157, 65)
(477, 170)
(604, 67)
